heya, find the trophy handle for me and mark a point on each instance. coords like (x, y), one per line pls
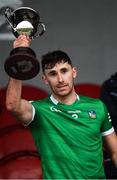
(42, 31)
(8, 14)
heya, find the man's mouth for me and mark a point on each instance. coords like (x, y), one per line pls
(62, 86)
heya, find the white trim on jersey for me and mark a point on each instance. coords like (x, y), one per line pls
(33, 109)
(33, 114)
(110, 131)
(55, 100)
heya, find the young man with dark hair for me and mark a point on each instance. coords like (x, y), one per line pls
(67, 128)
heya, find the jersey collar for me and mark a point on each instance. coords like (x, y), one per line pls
(56, 102)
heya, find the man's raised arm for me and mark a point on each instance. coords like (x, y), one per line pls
(21, 108)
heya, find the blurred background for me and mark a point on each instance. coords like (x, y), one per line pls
(87, 31)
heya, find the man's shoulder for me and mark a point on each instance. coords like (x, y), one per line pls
(41, 101)
(92, 102)
(89, 99)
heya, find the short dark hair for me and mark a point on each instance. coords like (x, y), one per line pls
(51, 58)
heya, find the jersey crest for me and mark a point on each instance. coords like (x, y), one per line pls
(92, 114)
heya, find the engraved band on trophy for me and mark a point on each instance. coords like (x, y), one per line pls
(22, 63)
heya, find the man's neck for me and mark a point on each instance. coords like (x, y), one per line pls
(68, 99)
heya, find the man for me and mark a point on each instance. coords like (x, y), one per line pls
(67, 128)
(109, 97)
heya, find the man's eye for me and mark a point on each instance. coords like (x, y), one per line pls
(64, 70)
(52, 74)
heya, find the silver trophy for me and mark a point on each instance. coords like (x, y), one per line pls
(22, 63)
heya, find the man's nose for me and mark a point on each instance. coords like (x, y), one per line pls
(60, 78)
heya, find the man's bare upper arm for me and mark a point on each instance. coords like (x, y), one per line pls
(25, 112)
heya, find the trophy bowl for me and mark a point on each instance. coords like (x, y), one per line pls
(22, 63)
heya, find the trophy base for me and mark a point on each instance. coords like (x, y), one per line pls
(22, 64)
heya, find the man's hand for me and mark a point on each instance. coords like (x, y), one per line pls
(22, 41)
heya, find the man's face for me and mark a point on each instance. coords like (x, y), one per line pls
(60, 78)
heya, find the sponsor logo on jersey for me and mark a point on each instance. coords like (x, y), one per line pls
(73, 113)
(52, 108)
(76, 111)
(92, 114)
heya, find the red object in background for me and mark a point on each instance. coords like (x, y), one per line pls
(28, 92)
(21, 165)
(15, 138)
(88, 89)
(19, 158)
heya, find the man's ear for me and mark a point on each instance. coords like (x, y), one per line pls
(74, 72)
(44, 79)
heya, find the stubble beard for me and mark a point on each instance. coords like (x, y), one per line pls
(63, 93)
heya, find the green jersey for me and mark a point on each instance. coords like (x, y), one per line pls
(69, 137)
